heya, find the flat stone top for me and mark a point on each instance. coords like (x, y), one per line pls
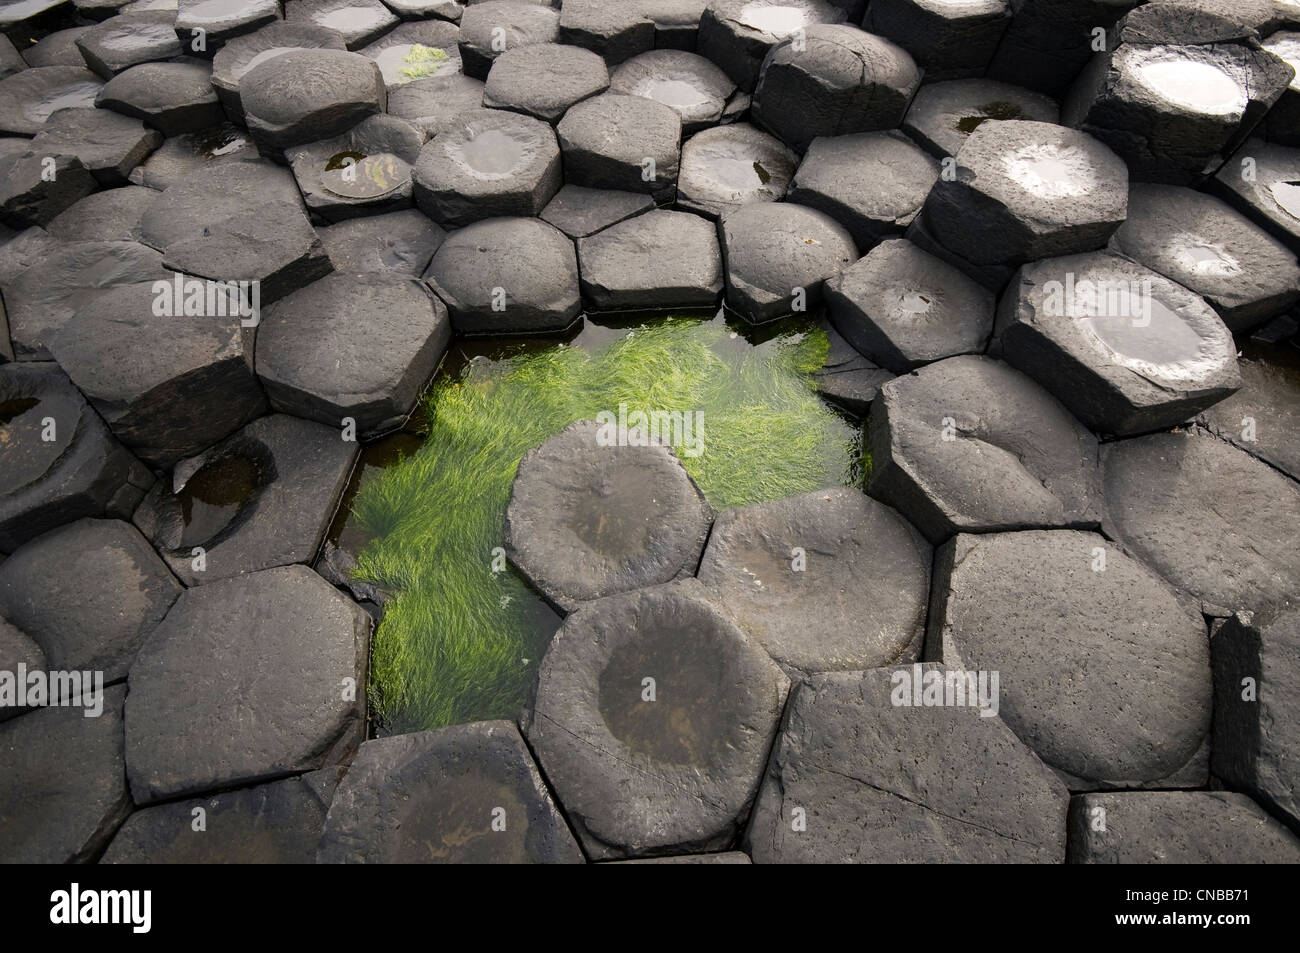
(284, 88)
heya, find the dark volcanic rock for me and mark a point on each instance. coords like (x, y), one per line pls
(685, 82)
(661, 259)
(737, 34)
(1262, 181)
(108, 144)
(29, 98)
(243, 53)
(172, 97)
(129, 39)
(418, 49)
(222, 20)
(363, 171)
(847, 379)
(17, 649)
(305, 95)
(1263, 418)
(489, 29)
(466, 794)
(614, 141)
(113, 215)
(617, 31)
(732, 165)
(1048, 42)
(433, 103)
(673, 774)
(544, 80)
(35, 187)
(57, 49)
(947, 40)
(580, 212)
(180, 155)
(358, 21)
(399, 242)
(943, 115)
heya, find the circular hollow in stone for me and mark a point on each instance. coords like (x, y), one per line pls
(730, 166)
(490, 29)
(358, 21)
(544, 80)
(737, 34)
(30, 97)
(365, 170)
(943, 115)
(416, 50)
(685, 82)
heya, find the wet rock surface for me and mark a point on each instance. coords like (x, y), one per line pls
(174, 97)
(363, 171)
(737, 34)
(643, 157)
(399, 242)
(544, 80)
(580, 212)
(304, 95)
(729, 166)
(943, 115)
(490, 29)
(687, 83)
(661, 259)
(241, 54)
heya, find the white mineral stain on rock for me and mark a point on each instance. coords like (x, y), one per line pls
(1051, 171)
(1200, 87)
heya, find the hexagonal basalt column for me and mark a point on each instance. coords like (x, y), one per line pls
(729, 166)
(243, 53)
(687, 83)
(948, 40)
(737, 34)
(1126, 349)
(1282, 124)
(1262, 181)
(174, 97)
(305, 95)
(601, 508)
(28, 98)
(364, 171)
(489, 29)
(358, 21)
(126, 39)
(629, 143)
(943, 115)
(661, 259)
(653, 718)
(544, 80)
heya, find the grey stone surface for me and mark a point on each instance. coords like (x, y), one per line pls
(1260, 182)
(887, 783)
(689, 84)
(16, 649)
(224, 21)
(465, 794)
(174, 97)
(57, 49)
(415, 49)
(673, 775)
(580, 212)
(544, 80)
(399, 242)
(733, 165)
(847, 379)
(33, 190)
(27, 99)
(724, 857)
(129, 39)
(970, 444)
(947, 40)
(523, 24)
(610, 141)
(108, 144)
(292, 652)
(110, 216)
(1047, 43)
(433, 103)
(737, 34)
(305, 95)
(943, 115)
(661, 259)
(364, 171)
(23, 250)
(243, 53)
(1282, 124)
(359, 22)
(615, 31)
(1263, 418)
(181, 155)
(596, 511)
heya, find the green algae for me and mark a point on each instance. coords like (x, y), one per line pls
(422, 61)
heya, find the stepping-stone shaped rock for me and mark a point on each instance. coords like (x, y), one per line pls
(599, 509)
(902, 307)
(222, 20)
(847, 379)
(276, 823)
(129, 39)
(43, 298)
(29, 98)
(243, 53)
(365, 170)
(824, 581)
(485, 164)
(544, 80)
(833, 81)
(580, 212)
(58, 48)
(737, 34)
(261, 498)
(180, 155)
(685, 82)
(108, 144)
(672, 775)
(872, 183)
(37, 186)
(1027, 190)
(489, 29)
(466, 794)
(1244, 273)
(1282, 124)
(878, 780)
(1263, 418)
(347, 346)
(87, 593)
(305, 95)
(172, 97)
(203, 713)
(616, 32)
(661, 259)
(1126, 349)
(1177, 827)
(778, 255)
(416, 51)
(240, 221)
(400, 243)
(63, 786)
(110, 216)
(733, 165)
(1047, 44)
(970, 444)
(947, 40)
(166, 384)
(628, 143)
(1256, 715)
(433, 103)
(507, 275)
(943, 115)
(82, 471)
(19, 655)
(1104, 672)
(1262, 181)
(1233, 549)
(359, 22)
(1174, 113)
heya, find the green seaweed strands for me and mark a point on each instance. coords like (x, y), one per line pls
(460, 642)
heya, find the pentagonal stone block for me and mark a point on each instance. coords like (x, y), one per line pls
(178, 156)
(75, 763)
(1176, 827)
(242, 53)
(872, 183)
(223, 21)
(399, 242)
(1027, 190)
(737, 34)
(276, 823)
(660, 259)
(29, 98)
(87, 593)
(306, 95)
(902, 308)
(544, 80)
(203, 713)
(1263, 418)
(19, 655)
(629, 143)
(597, 510)
(778, 255)
(81, 471)
(685, 82)
(167, 387)
(129, 39)
(732, 165)
(261, 498)
(947, 40)
(35, 187)
(363, 171)
(1260, 181)
(675, 774)
(172, 97)
(358, 21)
(466, 794)
(824, 581)
(615, 31)
(1120, 695)
(1244, 273)
(943, 115)
(1232, 550)
(108, 144)
(489, 29)
(487, 163)
(1126, 349)
(433, 103)
(507, 275)
(580, 212)
(314, 362)
(833, 81)
(414, 50)
(969, 444)
(878, 780)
